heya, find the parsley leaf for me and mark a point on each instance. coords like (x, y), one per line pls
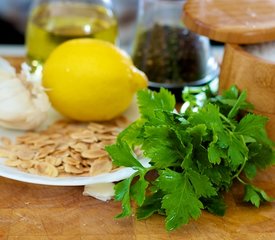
(138, 190)
(201, 184)
(122, 193)
(133, 133)
(237, 151)
(253, 126)
(122, 155)
(162, 146)
(180, 201)
(194, 155)
(255, 195)
(151, 205)
(250, 170)
(237, 106)
(215, 205)
(148, 102)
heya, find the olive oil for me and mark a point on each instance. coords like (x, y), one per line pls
(53, 23)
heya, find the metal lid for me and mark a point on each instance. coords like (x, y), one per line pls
(234, 21)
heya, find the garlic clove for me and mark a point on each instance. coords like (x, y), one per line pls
(101, 191)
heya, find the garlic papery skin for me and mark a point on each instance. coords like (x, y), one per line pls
(23, 103)
(6, 69)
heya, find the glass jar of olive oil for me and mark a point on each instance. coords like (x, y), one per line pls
(52, 22)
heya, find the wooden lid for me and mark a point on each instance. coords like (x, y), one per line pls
(232, 21)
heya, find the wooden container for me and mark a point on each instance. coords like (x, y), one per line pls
(236, 23)
(255, 75)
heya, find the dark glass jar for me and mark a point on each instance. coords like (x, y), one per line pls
(170, 54)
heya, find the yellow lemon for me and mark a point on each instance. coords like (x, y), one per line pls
(91, 80)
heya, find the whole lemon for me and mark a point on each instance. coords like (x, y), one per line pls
(91, 80)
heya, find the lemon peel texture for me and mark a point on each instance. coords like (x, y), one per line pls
(91, 80)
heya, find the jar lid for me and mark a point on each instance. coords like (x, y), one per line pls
(239, 21)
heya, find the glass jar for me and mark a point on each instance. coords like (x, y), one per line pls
(170, 54)
(52, 22)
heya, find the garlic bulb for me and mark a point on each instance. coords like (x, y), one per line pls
(23, 103)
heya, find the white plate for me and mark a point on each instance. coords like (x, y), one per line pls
(14, 173)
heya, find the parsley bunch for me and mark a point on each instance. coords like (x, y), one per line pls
(194, 155)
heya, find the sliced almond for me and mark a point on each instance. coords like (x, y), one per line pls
(4, 152)
(75, 155)
(80, 147)
(65, 148)
(13, 163)
(25, 154)
(106, 137)
(94, 153)
(72, 169)
(5, 141)
(45, 151)
(26, 164)
(100, 166)
(71, 161)
(53, 161)
(46, 169)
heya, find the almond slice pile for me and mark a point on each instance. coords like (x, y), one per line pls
(64, 149)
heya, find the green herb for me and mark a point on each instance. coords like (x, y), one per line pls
(195, 154)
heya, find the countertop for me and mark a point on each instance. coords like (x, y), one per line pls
(36, 212)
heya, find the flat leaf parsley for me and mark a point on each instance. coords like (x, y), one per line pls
(195, 155)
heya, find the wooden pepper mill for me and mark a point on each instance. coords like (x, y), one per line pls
(238, 23)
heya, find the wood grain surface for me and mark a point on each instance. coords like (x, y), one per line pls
(29, 212)
(255, 75)
(36, 212)
(239, 21)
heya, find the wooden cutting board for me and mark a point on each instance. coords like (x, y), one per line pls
(36, 212)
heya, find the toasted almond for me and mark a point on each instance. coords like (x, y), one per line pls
(71, 161)
(72, 169)
(92, 139)
(25, 154)
(60, 154)
(110, 129)
(33, 171)
(103, 137)
(5, 141)
(65, 148)
(94, 153)
(46, 169)
(4, 152)
(80, 147)
(100, 166)
(26, 164)
(82, 134)
(45, 151)
(97, 126)
(53, 160)
(75, 155)
(44, 143)
(13, 163)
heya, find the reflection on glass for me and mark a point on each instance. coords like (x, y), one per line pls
(53, 22)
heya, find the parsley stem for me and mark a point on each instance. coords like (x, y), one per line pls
(240, 170)
(242, 181)
(227, 121)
